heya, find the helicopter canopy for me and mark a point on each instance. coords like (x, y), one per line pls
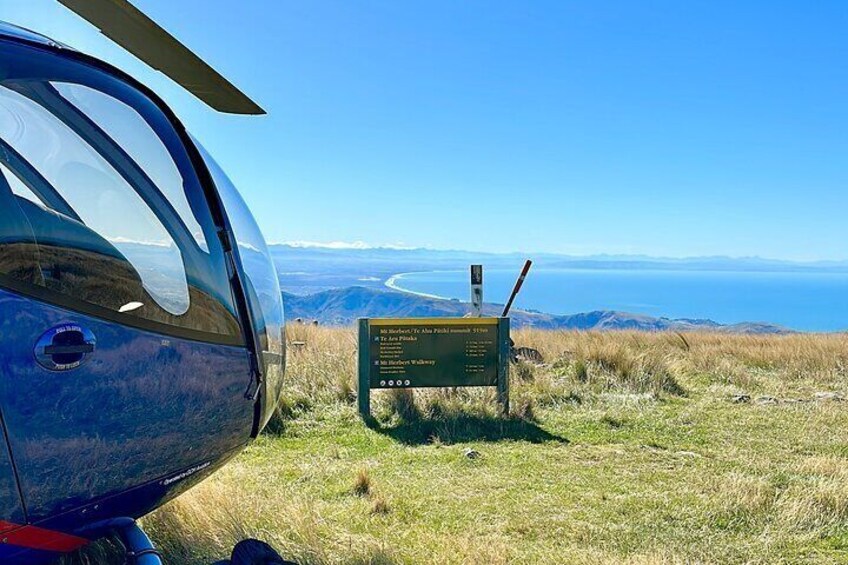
(111, 198)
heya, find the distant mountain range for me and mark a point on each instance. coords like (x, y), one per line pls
(398, 256)
(307, 267)
(343, 306)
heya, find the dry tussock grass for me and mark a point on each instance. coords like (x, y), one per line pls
(321, 368)
(324, 369)
(813, 501)
(738, 496)
(814, 505)
(652, 361)
(828, 466)
(362, 483)
(205, 525)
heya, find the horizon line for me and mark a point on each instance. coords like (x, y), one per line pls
(364, 246)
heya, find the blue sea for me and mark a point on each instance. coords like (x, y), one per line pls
(808, 301)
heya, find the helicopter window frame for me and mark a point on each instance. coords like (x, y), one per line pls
(12, 183)
(206, 268)
(34, 181)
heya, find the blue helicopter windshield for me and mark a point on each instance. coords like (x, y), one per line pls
(102, 203)
(101, 198)
(128, 128)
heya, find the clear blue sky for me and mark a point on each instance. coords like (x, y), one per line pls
(659, 127)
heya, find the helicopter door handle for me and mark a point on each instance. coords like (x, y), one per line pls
(68, 349)
(65, 347)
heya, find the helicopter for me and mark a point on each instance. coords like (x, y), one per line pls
(141, 319)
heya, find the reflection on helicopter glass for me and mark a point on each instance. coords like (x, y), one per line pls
(95, 175)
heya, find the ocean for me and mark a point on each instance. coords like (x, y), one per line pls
(806, 301)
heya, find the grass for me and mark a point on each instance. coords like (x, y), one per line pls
(622, 448)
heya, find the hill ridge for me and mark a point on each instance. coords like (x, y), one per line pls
(343, 306)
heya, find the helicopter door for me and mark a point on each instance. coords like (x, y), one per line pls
(262, 288)
(123, 357)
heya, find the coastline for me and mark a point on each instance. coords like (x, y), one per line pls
(392, 283)
(804, 304)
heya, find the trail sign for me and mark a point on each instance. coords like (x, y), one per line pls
(433, 352)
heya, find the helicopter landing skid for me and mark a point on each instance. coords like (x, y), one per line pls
(139, 548)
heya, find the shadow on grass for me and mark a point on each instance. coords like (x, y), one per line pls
(459, 428)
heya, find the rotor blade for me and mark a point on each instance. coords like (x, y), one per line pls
(130, 28)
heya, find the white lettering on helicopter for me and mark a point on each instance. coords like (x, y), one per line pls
(185, 474)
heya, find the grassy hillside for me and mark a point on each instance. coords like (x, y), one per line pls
(622, 448)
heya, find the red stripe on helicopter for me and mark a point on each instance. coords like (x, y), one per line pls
(33, 537)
